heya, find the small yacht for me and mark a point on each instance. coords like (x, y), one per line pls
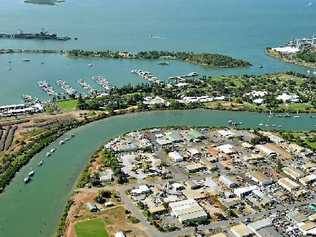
(26, 60)
(62, 142)
(90, 65)
(40, 163)
(72, 135)
(31, 173)
(52, 150)
(260, 124)
(48, 154)
(27, 179)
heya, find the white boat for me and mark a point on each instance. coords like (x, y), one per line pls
(48, 154)
(62, 142)
(260, 124)
(31, 173)
(52, 150)
(40, 163)
(27, 179)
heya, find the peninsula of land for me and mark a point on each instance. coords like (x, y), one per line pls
(205, 59)
(299, 51)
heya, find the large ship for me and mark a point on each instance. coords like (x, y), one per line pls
(43, 35)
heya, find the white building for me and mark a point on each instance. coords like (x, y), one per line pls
(242, 230)
(288, 98)
(188, 211)
(228, 182)
(286, 50)
(266, 150)
(309, 179)
(120, 234)
(226, 148)
(292, 172)
(142, 189)
(288, 184)
(175, 156)
(243, 191)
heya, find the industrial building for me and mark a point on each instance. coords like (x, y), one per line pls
(188, 211)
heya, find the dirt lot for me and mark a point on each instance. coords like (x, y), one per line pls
(114, 217)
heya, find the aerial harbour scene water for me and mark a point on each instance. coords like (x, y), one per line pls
(157, 118)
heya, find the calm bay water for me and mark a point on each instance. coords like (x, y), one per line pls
(240, 28)
(35, 208)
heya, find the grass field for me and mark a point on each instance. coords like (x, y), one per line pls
(91, 228)
(67, 105)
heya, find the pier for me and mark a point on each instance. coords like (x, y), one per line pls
(148, 76)
(47, 88)
(184, 76)
(102, 82)
(88, 88)
(67, 88)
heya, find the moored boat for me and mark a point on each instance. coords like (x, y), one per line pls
(27, 179)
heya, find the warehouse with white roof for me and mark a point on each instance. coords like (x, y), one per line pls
(188, 211)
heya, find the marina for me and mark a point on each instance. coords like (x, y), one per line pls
(88, 88)
(148, 76)
(46, 87)
(71, 92)
(102, 82)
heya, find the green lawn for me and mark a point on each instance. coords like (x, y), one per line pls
(91, 228)
(67, 105)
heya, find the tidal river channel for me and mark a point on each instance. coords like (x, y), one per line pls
(36, 207)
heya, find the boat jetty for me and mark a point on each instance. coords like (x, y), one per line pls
(67, 88)
(47, 88)
(148, 76)
(28, 99)
(43, 35)
(102, 82)
(185, 76)
(88, 88)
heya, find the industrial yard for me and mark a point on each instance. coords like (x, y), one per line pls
(205, 182)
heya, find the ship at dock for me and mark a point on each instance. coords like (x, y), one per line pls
(43, 35)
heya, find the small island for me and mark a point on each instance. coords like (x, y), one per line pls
(299, 51)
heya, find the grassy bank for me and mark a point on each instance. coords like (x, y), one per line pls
(91, 228)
